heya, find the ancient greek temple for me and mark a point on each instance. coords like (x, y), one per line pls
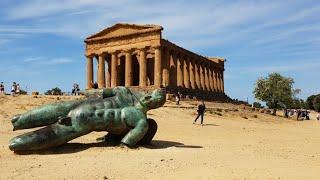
(137, 56)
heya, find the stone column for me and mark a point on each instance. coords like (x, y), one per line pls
(218, 81)
(197, 77)
(179, 72)
(157, 67)
(166, 67)
(101, 72)
(89, 72)
(108, 72)
(206, 77)
(202, 79)
(114, 73)
(222, 82)
(215, 79)
(192, 74)
(186, 71)
(210, 79)
(128, 70)
(143, 68)
(173, 69)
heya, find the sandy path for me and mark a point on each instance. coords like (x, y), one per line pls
(228, 147)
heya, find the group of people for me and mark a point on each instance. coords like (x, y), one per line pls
(15, 88)
(75, 89)
(301, 113)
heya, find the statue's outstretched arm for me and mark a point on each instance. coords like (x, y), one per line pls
(136, 134)
(44, 138)
(44, 115)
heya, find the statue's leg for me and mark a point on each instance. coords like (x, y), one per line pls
(44, 115)
(50, 136)
(150, 133)
(136, 134)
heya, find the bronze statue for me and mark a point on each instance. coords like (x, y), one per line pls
(119, 111)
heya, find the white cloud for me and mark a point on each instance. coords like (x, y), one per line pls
(293, 66)
(42, 8)
(59, 61)
(46, 61)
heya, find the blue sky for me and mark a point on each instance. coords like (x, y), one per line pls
(41, 41)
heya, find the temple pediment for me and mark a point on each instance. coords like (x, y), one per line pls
(120, 29)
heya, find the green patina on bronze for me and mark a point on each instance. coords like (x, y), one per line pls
(119, 111)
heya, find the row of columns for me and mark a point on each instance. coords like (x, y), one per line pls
(112, 71)
(190, 73)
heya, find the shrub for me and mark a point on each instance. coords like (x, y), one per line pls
(54, 91)
(257, 105)
(316, 103)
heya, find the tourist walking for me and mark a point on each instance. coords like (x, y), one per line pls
(13, 88)
(178, 98)
(18, 89)
(75, 89)
(2, 88)
(201, 109)
(318, 116)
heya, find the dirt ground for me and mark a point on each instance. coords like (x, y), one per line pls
(233, 144)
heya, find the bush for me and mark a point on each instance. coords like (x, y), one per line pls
(316, 103)
(257, 105)
(54, 91)
(309, 101)
(23, 92)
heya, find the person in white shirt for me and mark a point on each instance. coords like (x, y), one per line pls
(13, 88)
(18, 89)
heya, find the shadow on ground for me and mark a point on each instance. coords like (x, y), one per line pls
(70, 148)
(161, 144)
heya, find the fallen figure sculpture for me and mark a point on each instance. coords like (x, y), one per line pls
(119, 111)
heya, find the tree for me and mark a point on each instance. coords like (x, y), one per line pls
(298, 104)
(277, 91)
(54, 91)
(316, 103)
(257, 105)
(310, 101)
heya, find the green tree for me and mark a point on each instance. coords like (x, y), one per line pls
(54, 91)
(316, 103)
(298, 104)
(277, 91)
(310, 101)
(257, 105)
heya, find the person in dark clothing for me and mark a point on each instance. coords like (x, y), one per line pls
(1, 88)
(95, 85)
(201, 110)
(178, 98)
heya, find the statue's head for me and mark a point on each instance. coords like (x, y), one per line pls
(154, 99)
